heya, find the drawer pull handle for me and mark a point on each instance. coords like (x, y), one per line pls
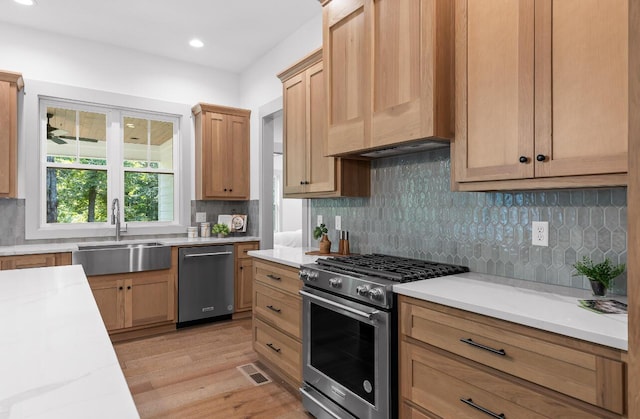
(270, 345)
(272, 308)
(482, 409)
(275, 278)
(486, 348)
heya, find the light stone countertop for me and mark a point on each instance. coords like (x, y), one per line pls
(290, 256)
(30, 249)
(57, 359)
(547, 307)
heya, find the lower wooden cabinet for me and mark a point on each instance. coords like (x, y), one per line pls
(277, 319)
(459, 364)
(135, 300)
(35, 261)
(244, 276)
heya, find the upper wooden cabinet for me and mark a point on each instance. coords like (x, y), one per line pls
(10, 85)
(307, 172)
(222, 152)
(389, 67)
(541, 94)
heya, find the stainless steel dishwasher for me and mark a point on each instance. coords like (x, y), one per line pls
(205, 283)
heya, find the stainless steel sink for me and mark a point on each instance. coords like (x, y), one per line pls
(113, 258)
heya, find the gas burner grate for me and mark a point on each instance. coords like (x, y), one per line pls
(393, 268)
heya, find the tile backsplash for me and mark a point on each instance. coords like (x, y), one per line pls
(12, 220)
(412, 212)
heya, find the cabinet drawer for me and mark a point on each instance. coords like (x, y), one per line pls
(280, 309)
(583, 375)
(279, 276)
(243, 248)
(278, 348)
(450, 388)
(28, 261)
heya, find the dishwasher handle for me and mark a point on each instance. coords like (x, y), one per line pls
(199, 255)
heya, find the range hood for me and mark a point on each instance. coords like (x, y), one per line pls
(405, 148)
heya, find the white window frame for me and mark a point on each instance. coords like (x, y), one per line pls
(117, 106)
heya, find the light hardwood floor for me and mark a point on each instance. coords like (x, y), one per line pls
(191, 373)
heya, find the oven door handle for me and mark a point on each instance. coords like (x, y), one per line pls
(320, 405)
(360, 313)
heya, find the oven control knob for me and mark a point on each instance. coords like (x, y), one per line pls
(335, 282)
(362, 290)
(376, 294)
(313, 275)
(303, 274)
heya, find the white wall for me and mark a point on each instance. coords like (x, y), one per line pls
(76, 62)
(260, 85)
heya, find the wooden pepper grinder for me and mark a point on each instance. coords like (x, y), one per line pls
(345, 243)
(341, 243)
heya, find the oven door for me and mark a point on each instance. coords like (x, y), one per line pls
(346, 353)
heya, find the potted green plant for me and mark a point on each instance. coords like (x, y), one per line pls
(601, 275)
(220, 229)
(321, 232)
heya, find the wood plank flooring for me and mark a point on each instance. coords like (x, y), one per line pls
(191, 373)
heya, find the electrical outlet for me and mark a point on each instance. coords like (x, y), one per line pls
(540, 233)
(201, 217)
(319, 219)
(338, 222)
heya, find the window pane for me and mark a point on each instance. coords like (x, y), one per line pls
(75, 134)
(148, 197)
(136, 136)
(93, 138)
(161, 145)
(76, 196)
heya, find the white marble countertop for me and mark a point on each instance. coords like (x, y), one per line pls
(290, 256)
(547, 307)
(29, 249)
(57, 359)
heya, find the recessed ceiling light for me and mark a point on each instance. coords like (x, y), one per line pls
(26, 2)
(196, 43)
(130, 125)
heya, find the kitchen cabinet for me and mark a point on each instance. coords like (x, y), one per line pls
(307, 172)
(35, 261)
(454, 362)
(541, 94)
(133, 302)
(389, 72)
(10, 84)
(244, 276)
(222, 152)
(277, 319)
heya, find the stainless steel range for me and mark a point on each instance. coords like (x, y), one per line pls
(350, 332)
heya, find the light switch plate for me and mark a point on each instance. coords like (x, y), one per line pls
(319, 219)
(540, 233)
(338, 222)
(201, 217)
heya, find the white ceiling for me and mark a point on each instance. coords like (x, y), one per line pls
(235, 32)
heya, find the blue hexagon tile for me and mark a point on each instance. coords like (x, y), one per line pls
(413, 213)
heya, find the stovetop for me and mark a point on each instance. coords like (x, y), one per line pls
(370, 278)
(393, 268)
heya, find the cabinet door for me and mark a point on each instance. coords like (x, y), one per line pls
(494, 89)
(29, 261)
(244, 287)
(8, 138)
(348, 74)
(295, 134)
(214, 149)
(238, 157)
(109, 296)
(581, 87)
(150, 299)
(321, 170)
(411, 55)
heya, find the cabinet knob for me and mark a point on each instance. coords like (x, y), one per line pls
(129, 287)
(230, 190)
(306, 182)
(121, 288)
(541, 157)
(225, 189)
(523, 159)
(302, 182)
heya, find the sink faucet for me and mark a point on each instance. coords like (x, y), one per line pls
(115, 216)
